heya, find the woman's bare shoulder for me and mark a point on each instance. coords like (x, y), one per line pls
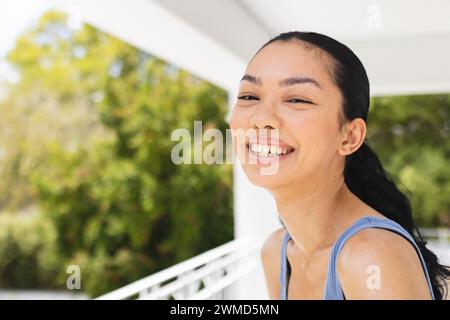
(380, 264)
(271, 258)
(272, 245)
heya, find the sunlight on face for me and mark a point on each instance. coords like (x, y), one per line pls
(288, 87)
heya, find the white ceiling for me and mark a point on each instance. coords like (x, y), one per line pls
(348, 20)
(215, 39)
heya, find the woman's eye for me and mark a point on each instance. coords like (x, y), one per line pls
(296, 100)
(247, 97)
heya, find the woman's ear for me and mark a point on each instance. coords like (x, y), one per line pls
(353, 135)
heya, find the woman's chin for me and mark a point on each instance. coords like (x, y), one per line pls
(268, 181)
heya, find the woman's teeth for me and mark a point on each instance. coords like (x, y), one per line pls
(268, 151)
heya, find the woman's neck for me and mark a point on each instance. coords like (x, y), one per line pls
(316, 217)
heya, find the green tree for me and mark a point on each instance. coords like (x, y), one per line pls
(50, 105)
(28, 258)
(411, 135)
(120, 207)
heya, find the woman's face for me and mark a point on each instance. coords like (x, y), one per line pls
(288, 89)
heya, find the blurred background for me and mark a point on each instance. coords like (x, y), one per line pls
(91, 91)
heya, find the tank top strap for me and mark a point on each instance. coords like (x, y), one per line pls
(283, 269)
(333, 290)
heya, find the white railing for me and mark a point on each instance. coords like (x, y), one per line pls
(437, 236)
(439, 242)
(206, 276)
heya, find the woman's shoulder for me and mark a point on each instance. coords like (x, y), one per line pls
(379, 263)
(374, 243)
(271, 259)
(272, 244)
(374, 235)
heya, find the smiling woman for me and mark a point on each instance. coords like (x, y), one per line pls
(348, 231)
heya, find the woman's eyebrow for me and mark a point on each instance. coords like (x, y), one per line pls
(252, 79)
(283, 83)
(299, 80)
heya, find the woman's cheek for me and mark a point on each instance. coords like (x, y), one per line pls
(234, 119)
(311, 135)
(239, 123)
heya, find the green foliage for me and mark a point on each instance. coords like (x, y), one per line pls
(120, 207)
(51, 105)
(27, 253)
(411, 135)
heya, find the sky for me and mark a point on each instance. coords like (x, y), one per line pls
(15, 17)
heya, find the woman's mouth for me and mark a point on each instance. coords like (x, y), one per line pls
(267, 153)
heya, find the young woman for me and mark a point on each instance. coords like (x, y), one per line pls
(348, 231)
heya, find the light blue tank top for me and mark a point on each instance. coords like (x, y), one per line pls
(333, 290)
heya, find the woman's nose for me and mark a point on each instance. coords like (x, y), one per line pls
(265, 117)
